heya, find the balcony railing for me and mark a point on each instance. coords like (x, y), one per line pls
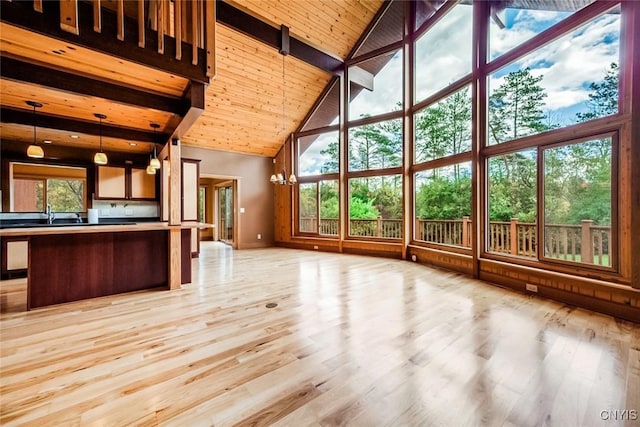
(585, 243)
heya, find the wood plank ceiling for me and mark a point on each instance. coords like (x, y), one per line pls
(244, 111)
(244, 102)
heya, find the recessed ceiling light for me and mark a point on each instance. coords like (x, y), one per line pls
(74, 136)
(47, 141)
(133, 144)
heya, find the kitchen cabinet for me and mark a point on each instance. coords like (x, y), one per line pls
(190, 186)
(15, 257)
(125, 182)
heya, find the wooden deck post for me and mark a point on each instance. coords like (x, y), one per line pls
(513, 244)
(586, 243)
(465, 232)
(379, 227)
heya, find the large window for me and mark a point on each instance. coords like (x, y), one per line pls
(510, 157)
(375, 207)
(513, 203)
(577, 202)
(443, 53)
(375, 146)
(34, 186)
(318, 154)
(510, 27)
(319, 207)
(383, 94)
(571, 80)
(444, 128)
(443, 205)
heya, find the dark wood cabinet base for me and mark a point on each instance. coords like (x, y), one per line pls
(71, 267)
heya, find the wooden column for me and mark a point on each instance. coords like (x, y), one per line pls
(175, 196)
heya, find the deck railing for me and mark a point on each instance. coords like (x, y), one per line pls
(585, 243)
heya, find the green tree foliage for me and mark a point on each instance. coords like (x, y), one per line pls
(516, 107)
(603, 99)
(332, 154)
(329, 203)
(65, 195)
(444, 128)
(444, 197)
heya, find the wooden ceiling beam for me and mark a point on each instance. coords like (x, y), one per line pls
(255, 28)
(16, 70)
(53, 122)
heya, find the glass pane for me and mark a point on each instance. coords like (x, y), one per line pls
(571, 80)
(512, 203)
(386, 93)
(308, 208)
(375, 207)
(28, 195)
(329, 208)
(65, 195)
(318, 154)
(444, 128)
(443, 205)
(201, 204)
(577, 202)
(443, 54)
(375, 146)
(514, 22)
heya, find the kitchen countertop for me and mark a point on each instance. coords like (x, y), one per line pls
(99, 228)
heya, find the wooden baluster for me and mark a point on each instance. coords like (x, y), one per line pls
(97, 16)
(141, 25)
(210, 40)
(160, 20)
(37, 5)
(379, 227)
(69, 16)
(177, 19)
(608, 233)
(564, 242)
(465, 232)
(120, 20)
(194, 33)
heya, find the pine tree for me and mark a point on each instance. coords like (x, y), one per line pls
(603, 99)
(516, 107)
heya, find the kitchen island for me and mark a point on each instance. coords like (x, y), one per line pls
(83, 261)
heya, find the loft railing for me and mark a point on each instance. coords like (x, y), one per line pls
(585, 243)
(169, 28)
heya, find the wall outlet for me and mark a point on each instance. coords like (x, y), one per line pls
(414, 258)
(128, 212)
(259, 236)
(241, 210)
(531, 287)
(315, 247)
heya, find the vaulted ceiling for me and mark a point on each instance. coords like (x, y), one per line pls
(257, 97)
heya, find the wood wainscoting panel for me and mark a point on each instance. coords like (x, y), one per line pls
(353, 340)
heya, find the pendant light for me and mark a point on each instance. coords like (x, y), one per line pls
(281, 178)
(154, 162)
(100, 158)
(34, 150)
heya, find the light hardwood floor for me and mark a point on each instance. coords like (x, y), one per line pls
(354, 340)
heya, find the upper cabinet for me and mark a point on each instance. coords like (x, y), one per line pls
(190, 185)
(125, 182)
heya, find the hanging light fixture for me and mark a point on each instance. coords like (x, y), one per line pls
(281, 178)
(34, 150)
(154, 162)
(100, 158)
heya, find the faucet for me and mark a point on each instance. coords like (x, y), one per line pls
(50, 215)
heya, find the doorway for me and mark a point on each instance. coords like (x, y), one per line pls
(218, 201)
(226, 214)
